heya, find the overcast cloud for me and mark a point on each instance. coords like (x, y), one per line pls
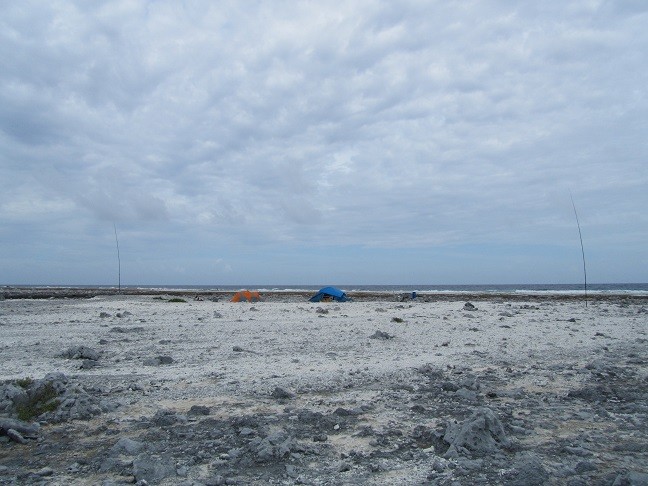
(318, 142)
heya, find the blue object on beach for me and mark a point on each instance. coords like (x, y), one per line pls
(329, 293)
(413, 295)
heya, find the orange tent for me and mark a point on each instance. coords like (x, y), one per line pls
(243, 295)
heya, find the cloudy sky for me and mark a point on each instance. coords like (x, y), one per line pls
(368, 142)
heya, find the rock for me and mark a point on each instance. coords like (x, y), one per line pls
(345, 412)
(585, 466)
(15, 436)
(117, 465)
(439, 465)
(381, 335)
(56, 380)
(344, 466)
(469, 307)
(199, 410)
(481, 433)
(103, 315)
(451, 453)
(528, 471)
(153, 469)
(576, 481)
(217, 480)
(164, 418)
(632, 478)
(158, 360)
(25, 429)
(467, 465)
(470, 382)
(466, 394)
(321, 310)
(75, 404)
(80, 352)
(449, 386)
(291, 471)
(578, 451)
(596, 393)
(276, 446)
(237, 349)
(217, 315)
(281, 393)
(88, 364)
(124, 330)
(108, 405)
(45, 472)
(127, 446)
(54, 399)
(10, 395)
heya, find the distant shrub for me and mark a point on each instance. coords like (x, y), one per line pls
(177, 299)
(44, 400)
(24, 382)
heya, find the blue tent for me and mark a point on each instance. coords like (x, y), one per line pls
(330, 292)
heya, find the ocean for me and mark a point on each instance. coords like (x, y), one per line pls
(595, 288)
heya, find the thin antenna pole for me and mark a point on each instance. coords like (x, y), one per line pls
(118, 260)
(581, 242)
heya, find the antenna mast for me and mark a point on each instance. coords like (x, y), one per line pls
(118, 260)
(581, 242)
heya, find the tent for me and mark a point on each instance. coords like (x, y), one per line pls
(246, 295)
(329, 293)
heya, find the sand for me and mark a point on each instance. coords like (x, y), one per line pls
(365, 392)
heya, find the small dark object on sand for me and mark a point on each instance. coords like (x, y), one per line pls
(381, 335)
